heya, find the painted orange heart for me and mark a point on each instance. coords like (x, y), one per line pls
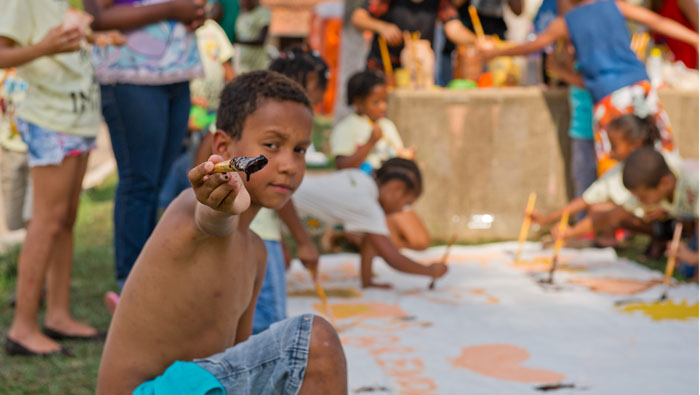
(504, 362)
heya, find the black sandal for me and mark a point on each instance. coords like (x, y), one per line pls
(57, 335)
(16, 349)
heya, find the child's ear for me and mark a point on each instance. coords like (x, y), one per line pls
(220, 144)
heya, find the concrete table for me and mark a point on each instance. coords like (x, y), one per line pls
(483, 151)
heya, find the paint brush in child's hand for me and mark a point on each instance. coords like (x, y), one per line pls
(444, 258)
(558, 244)
(525, 228)
(671, 262)
(322, 295)
(241, 163)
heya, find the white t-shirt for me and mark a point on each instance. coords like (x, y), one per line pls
(214, 50)
(346, 197)
(355, 130)
(609, 188)
(685, 196)
(62, 94)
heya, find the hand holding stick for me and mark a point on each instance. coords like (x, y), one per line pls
(526, 224)
(558, 244)
(242, 163)
(443, 260)
(671, 263)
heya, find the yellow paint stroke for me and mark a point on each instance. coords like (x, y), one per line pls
(544, 264)
(363, 310)
(666, 310)
(615, 286)
(345, 293)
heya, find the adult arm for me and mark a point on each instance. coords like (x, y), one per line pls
(657, 23)
(108, 16)
(362, 20)
(689, 9)
(458, 33)
(56, 40)
(556, 30)
(565, 73)
(386, 249)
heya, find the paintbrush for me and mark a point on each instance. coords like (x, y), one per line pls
(386, 59)
(444, 258)
(671, 262)
(525, 228)
(241, 163)
(558, 244)
(322, 295)
(478, 29)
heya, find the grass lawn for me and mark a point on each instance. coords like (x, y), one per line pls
(93, 275)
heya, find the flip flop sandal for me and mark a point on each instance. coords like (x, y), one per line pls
(57, 335)
(16, 349)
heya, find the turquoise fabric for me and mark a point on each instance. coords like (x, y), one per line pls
(581, 103)
(182, 378)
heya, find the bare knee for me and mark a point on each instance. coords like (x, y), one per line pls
(326, 370)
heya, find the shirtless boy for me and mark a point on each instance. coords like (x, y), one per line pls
(191, 294)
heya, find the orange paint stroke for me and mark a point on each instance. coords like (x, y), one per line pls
(503, 362)
(363, 310)
(615, 286)
(493, 299)
(543, 264)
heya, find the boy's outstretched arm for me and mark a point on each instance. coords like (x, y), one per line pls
(658, 23)
(306, 250)
(556, 30)
(220, 198)
(386, 249)
(573, 206)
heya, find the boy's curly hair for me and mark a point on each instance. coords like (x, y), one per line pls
(402, 169)
(242, 96)
(644, 168)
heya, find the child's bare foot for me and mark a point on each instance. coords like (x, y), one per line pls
(35, 342)
(68, 327)
(110, 300)
(378, 285)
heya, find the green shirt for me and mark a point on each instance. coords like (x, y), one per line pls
(228, 19)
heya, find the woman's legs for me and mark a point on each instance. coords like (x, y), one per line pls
(407, 231)
(58, 315)
(53, 192)
(146, 134)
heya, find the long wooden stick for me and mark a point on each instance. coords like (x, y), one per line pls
(671, 263)
(386, 60)
(525, 228)
(444, 258)
(559, 243)
(478, 29)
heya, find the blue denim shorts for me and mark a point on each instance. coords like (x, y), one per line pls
(272, 362)
(47, 147)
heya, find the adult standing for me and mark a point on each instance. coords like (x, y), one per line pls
(145, 102)
(389, 18)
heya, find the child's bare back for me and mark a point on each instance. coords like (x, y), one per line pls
(177, 265)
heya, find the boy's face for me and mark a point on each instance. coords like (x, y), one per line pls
(394, 196)
(374, 105)
(654, 196)
(280, 130)
(621, 148)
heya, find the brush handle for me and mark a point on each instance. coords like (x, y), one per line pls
(525, 228)
(476, 22)
(671, 262)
